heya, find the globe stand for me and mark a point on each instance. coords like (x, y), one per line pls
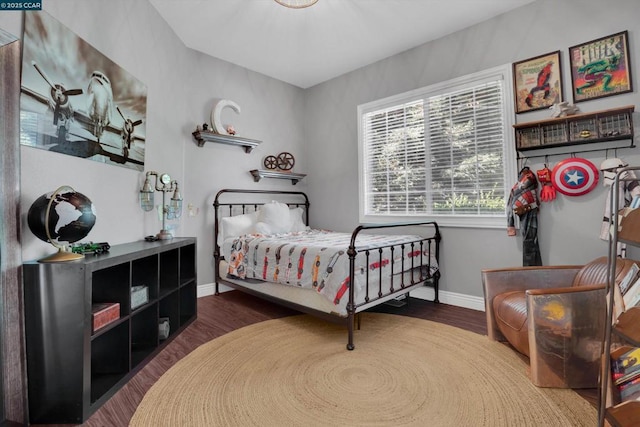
(62, 256)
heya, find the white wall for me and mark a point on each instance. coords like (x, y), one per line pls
(569, 227)
(181, 87)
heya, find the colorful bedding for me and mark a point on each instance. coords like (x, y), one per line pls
(318, 259)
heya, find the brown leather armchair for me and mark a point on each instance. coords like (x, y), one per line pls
(554, 315)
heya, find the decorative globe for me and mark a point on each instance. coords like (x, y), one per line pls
(71, 216)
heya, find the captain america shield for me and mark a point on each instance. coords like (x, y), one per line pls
(575, 176)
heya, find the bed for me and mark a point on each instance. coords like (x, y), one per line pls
(264, 247)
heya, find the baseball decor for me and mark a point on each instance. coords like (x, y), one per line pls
(575, 176)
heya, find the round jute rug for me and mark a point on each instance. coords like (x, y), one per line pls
(404, 371)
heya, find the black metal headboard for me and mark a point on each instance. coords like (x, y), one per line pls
(239, 201)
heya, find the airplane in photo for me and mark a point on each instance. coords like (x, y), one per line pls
(87, 133)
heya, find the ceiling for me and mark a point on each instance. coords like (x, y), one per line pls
(305, 47)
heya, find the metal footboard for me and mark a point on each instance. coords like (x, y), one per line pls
(421, 271)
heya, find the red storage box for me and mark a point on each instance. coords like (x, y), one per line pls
(104, 313)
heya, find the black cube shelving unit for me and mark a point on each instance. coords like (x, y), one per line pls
(72, 369)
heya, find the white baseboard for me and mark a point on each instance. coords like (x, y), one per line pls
(451, 298)
(210, 289)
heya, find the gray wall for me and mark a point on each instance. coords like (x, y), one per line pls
(569, 227)
(182, 86)
(317, 125)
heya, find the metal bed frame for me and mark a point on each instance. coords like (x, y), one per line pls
(373, 297)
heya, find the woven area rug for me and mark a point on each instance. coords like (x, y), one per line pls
(404, 371)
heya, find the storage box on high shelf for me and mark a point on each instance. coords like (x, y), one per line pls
(600, 126)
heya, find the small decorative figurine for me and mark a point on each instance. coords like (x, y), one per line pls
(231, 130)
(562, 109)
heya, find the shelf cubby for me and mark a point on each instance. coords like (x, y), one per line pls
(144, 334)
(112, 285)
(72, 370)
(187, 302)
(109, 360)
(187, 266)
(626, 326)
(145, 273)
(169, 273)
(170, 308)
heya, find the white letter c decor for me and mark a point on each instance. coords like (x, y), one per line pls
(216, 121)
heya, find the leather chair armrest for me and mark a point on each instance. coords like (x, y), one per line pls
(564, 290)
(497, 281)
(565, 332)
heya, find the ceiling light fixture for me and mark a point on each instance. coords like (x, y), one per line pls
(296, 4)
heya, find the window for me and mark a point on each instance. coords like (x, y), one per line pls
(443, 152)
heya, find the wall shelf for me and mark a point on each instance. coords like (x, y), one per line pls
(586, 128)
(203, 136)
(261, 173)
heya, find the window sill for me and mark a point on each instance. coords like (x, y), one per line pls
(498, 222)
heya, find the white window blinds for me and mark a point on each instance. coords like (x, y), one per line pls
(395, 160)
(465, 137)
(437, 153)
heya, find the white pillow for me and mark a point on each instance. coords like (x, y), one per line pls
(263, 228)
(236, 226)
(297, 223)
(276, 216)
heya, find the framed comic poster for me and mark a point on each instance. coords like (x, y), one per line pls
(537, 82)
(601, 67)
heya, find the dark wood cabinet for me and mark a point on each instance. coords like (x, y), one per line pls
(72, 370)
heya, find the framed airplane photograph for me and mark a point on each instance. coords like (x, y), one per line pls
(76, 101)
(537, 82)
(601, 67)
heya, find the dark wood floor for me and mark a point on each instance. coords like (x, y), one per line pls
(218, 315)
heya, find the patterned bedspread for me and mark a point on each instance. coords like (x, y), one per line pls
(318, 259)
